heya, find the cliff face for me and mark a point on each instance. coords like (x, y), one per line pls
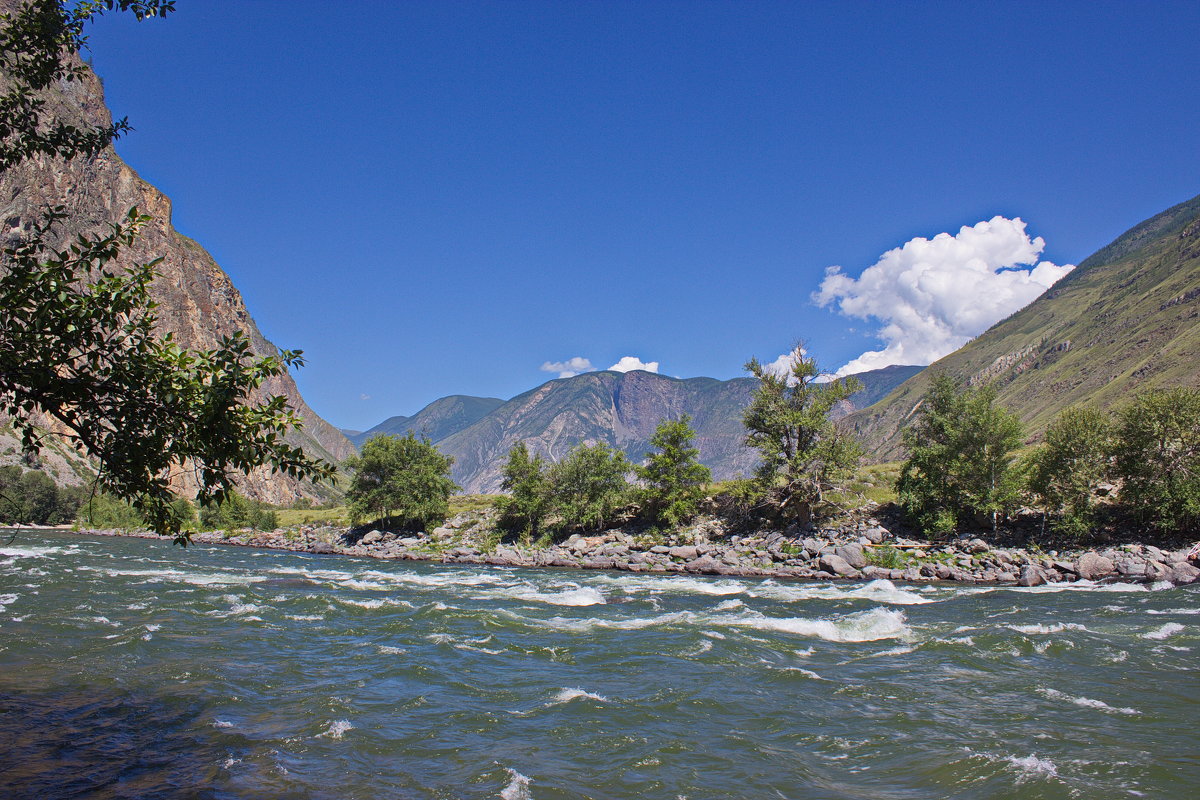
(1126, 320)
(197, 301)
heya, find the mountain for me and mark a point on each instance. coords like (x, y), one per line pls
(436, 421)
(622, 409)
(1127, 319)
(197, 301)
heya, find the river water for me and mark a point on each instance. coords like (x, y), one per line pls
(133, 669)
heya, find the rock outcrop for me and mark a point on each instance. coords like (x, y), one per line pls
(197, 301)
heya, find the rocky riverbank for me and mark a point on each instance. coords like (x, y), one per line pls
(860, 550)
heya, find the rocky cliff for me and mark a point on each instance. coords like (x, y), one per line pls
(197, 301)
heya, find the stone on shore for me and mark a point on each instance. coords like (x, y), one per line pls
(1092, 566)
(1031, 576)
(836, 565)
(852, 554)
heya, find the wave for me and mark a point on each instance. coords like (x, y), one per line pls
(1086, 702)
(1165, 632)
(567, 695)
(517, 788)
(337, 728)
(879, 591)
(863, 626)
(1057, 627)
(579, 596)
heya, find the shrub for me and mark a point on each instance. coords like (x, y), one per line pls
(103, 511)
(788, 422)
(960, 465)
(587, 488)
(673, 475)
(234, 513)
(1064, 472)
(403, 482)
(1157, 457)
(524, 507)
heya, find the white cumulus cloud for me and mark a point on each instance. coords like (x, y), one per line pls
(568, 368)
(629, 363)
(934, 295)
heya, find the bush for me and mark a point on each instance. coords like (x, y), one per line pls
(1157, 457)
(234, 513)
(33, 498)
(673, 475)
(1064, 472)
(587, 488)
(960, 465)
(524, 507)
(788, 422)
(403, 482)
(103, 511)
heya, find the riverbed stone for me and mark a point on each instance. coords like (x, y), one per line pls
(1031, 576)
(705, 565)
(371, 537)
(684, 553)
(852, 554)
(1092, 566)
(1183, 573)
(835, 564)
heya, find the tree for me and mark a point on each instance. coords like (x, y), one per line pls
(1065, 470)
(78, 340)
(673, 475)
(960, 465)
(524, 507)
(587, 488)
(404, 482)
(1157, 455)
(788, 422)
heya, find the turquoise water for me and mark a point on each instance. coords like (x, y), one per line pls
(131, 668)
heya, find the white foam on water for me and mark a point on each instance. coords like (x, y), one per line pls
(1174, 611)
(1086, 702)
(879, 591)
(220, 723)
(1057, 627)
(1166, 631)
(7, 600)
(337, 728)
(863, 626)
(517, 788)
(440, 638)
(319, 574)
(578, 596)
(729, 605)
(304, 617)
(590, 624)
(1032, 766)
(17, 551)
(567, 695)
(631, 584)
(1159, 586)
(389, 650)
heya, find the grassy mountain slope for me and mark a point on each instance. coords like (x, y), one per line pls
(441, 418)
(1125, 320)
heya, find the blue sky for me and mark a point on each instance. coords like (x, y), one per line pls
(439, 198)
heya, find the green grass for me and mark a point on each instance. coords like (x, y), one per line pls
(461, 503)
(291, 517)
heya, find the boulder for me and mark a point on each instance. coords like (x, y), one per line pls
(875, 535)
(1183, 573)
(687, 553)
(322, 548)
(704, 565)
(371, 537)
(976, 546)
(1031, 576)
(835, 564)
(1091, 566)
(853, 555)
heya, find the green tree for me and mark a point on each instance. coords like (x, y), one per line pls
(588, 487)
(77, 334)
(404, 482)
(673, 476)
(235, 512)
(1158, 457)
(803, 454)
(1065, 470)
(960, 465)
(524, 507)
(102, 512)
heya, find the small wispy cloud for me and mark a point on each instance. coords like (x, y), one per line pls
(364, 396)
(568, 368)
(934, 295)
(630, 363)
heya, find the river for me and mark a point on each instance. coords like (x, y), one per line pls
(130, 668)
